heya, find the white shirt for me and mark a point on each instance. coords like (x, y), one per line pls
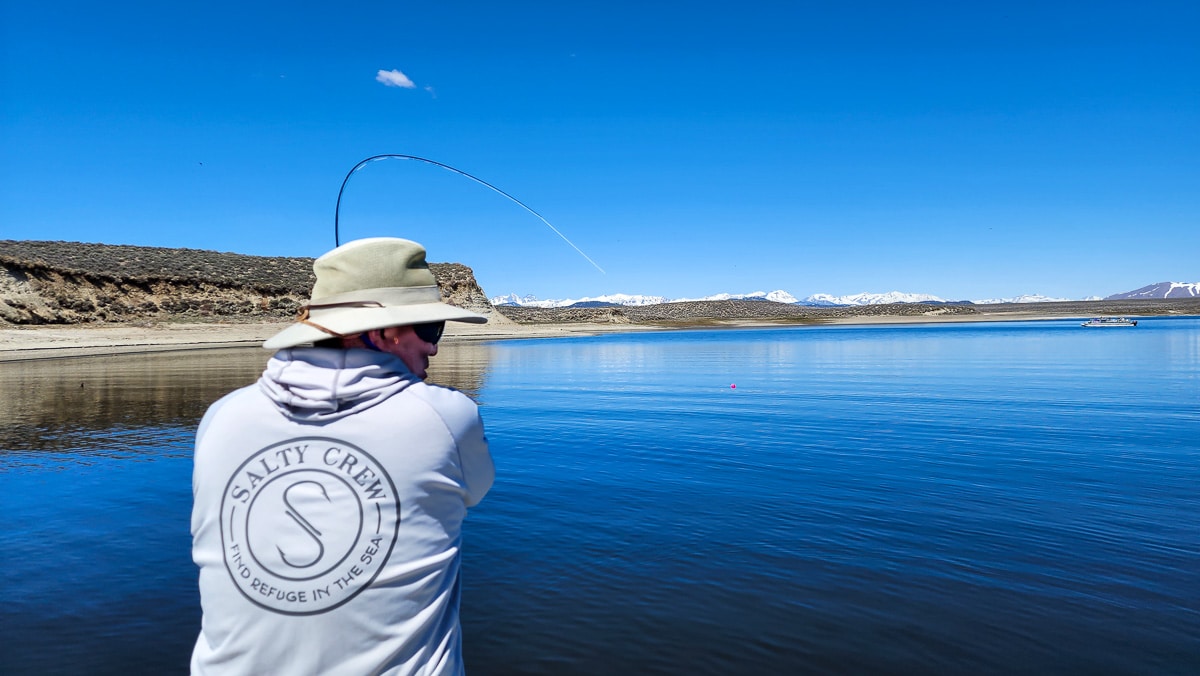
(327, 519)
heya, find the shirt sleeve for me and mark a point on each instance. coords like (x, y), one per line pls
(461, 416)
(478, 470)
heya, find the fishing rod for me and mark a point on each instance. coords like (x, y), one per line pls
(394, 156)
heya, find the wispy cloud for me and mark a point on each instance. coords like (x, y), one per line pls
(394, 78)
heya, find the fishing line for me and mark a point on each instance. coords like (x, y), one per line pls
(390, 156)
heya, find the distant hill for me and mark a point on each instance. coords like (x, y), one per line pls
(594, 303)
(1026, 298)
(1161, 290)
(612, 300)
(778, 296)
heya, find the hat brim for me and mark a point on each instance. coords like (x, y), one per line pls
(355, 320)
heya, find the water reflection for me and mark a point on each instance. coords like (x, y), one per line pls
(55, 404)
(51, 403)
(462, 366)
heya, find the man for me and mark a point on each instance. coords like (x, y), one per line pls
(329, 496)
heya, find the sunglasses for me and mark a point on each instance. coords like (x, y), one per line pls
(430, 333)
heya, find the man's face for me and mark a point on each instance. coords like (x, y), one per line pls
(403, 342)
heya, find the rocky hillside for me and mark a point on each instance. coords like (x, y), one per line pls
(71, 283)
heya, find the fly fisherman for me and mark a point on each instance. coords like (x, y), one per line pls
(329, 497)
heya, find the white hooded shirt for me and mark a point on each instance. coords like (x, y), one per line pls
(329, 500)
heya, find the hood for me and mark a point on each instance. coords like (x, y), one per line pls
(319, 385)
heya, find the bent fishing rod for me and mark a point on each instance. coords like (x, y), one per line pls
(395, 156)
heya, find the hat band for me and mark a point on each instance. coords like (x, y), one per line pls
(387, 296)
(377, 298)
(306, 309)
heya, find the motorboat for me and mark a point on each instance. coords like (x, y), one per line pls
(1110, 321)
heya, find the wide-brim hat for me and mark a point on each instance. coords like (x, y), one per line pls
(370, 284)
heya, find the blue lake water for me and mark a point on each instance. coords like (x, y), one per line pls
(968, 498)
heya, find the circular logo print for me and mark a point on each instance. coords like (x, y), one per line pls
(307, 524)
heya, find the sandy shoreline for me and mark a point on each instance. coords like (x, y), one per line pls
(45, 342)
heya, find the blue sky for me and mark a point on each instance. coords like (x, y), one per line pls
(966, 150)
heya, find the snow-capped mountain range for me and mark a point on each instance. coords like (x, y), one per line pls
(1161, 290)
(627, 299)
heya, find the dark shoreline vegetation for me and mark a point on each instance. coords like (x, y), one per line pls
(77, 283)
(717, 313)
